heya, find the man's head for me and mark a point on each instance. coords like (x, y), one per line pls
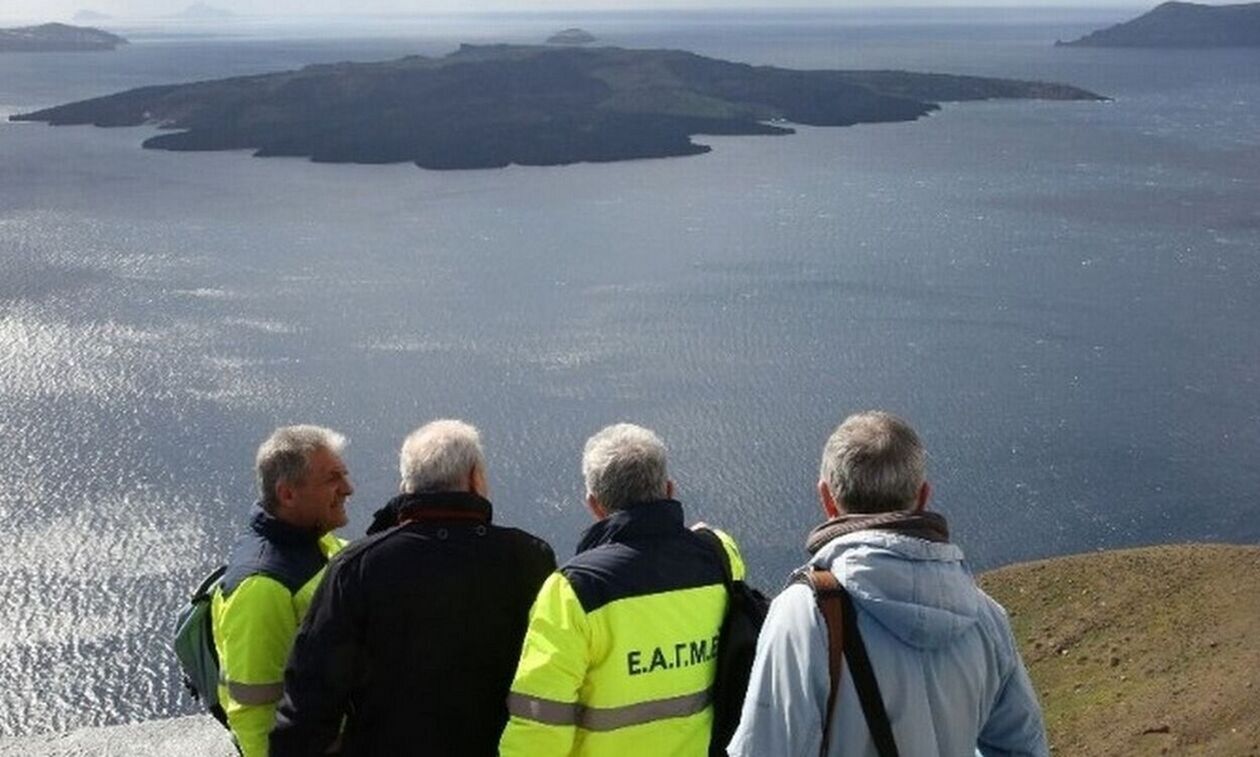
(302, 479)
(873, 463)
(443, 456)
(624, 465)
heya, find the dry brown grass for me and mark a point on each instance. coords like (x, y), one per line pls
(1142, 652)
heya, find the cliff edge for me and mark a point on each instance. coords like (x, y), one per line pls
(193, 736)
(1134, 652)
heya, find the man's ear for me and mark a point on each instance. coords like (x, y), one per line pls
(284, 493)
(669, 488)
(828, 501)
(477, 483)
(595, 507)
(921, 499)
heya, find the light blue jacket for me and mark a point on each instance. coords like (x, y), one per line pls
(942, 650)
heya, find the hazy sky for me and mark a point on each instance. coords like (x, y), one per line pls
(64, 9)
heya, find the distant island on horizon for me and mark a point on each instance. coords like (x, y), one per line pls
(57, 38)
(203, 12)
(572, 36)
(495, 105)
(1182, 25)
(89, 16)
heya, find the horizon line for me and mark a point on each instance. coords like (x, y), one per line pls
(658, 7)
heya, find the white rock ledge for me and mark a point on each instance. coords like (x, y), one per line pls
(193, 736)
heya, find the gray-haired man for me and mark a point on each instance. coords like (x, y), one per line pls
(413, 636)
(273, 571)
(941, 650)
(621, 651)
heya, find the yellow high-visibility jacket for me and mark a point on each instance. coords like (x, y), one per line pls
(272, 574)
(621, 650)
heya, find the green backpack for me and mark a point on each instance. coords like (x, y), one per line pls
(194, 646)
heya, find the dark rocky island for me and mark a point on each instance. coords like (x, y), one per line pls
(57, 38)
(571, 37)
(490, 106)
(1182, 25)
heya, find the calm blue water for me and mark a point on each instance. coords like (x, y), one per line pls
(1061, 296)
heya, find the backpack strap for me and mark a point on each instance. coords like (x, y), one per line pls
(207, 586)
(715, 541)
(827, 595)
(844, 639)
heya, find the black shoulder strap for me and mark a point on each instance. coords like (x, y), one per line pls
(845, 640)
(864, 680)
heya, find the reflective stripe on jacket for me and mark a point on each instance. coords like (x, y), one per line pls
(620, 653)
(271, 577)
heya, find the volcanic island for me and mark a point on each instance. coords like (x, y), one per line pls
(487, 106)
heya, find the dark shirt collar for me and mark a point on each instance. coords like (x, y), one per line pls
(645, 519)
(278, 531)
(432, 506)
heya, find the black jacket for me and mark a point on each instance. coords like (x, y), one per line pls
(414, 636)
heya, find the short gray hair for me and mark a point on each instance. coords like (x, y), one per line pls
(438, 457)
(624, 465)
(874, 463)
(286, 454)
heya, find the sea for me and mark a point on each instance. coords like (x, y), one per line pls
(1062, 297)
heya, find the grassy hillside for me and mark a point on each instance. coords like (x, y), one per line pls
(1142, 652)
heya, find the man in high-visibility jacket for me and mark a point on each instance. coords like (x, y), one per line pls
(273, 572)
(621, 649)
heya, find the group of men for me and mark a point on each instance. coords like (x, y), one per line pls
(443, 633)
